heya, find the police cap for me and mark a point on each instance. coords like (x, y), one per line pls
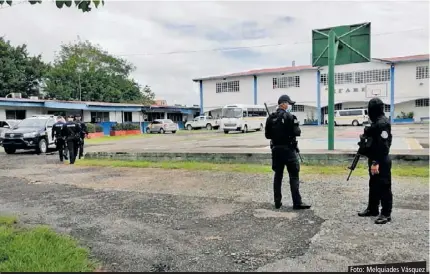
(285, 99)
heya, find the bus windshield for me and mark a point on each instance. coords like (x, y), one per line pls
(232, 113)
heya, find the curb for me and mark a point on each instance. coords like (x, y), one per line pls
(251, 158)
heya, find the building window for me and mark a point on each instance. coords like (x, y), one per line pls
(422, 103)
(298, 108)
(175, 117)
(387, 108)
(422, 72)
(286, 82)
(230, 86)
(154, 116)
(372, 76)
(128, 117)
(98, 117)
(257, 112)
(359, 77)
(15, 114)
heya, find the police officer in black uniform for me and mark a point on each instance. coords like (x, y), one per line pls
(378, 143)
(60, 143)
(71, 132)
(282, 128)
(83, 133)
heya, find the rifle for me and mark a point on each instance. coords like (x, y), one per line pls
(354, 163)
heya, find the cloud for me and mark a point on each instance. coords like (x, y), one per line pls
(150, 34)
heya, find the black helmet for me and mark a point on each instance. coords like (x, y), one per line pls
(375, 108)
(285, 99)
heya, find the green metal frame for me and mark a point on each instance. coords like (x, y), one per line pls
(334, 44)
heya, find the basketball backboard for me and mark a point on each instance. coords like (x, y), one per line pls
(353, 44)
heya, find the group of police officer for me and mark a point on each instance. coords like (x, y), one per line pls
(69, 137)
(282, 128)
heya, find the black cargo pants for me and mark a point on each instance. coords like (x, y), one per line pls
(284, 156)
(72, 145)
(60, 145)
(380, 188)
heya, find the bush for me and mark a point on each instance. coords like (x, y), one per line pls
(125, 126)
(404, 115)
(93, 128)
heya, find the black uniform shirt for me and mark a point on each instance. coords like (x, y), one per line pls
(71, 130)
(57, 129)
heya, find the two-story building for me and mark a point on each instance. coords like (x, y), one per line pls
(401, 82)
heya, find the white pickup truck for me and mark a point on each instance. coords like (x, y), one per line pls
(202, 122)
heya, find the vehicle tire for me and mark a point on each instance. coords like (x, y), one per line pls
(162, 131)
(189, 127)
(209, 127)
(261, 127)
(335, 124)
(226, 131)
(245, 129)
(355, 123)
(42, 147)
(174, 131)
(148, 130)
(9, 150)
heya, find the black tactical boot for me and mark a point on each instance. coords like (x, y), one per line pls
(382, 219)
(368, 213)
(278, 204)
(301, 206)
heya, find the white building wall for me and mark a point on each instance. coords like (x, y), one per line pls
(30, 111)
(303, 95)
(406, 86)
(406, 107)
(213, 100)
(136, 116)
(86, 116)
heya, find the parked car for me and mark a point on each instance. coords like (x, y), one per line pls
(202, 122)
(31, 133)
(162, 126)
(6, 126)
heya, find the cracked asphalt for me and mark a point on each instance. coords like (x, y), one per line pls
(175, 220)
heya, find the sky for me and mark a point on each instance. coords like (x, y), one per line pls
(172, 42)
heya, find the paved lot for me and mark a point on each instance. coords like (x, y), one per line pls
(155, 220)
(406, 138)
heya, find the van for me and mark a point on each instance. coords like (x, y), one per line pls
(355, 117)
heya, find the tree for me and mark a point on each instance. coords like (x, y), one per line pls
(19, 72)
(83, 5)
(83, 71)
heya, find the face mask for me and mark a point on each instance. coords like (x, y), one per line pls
(289, 108)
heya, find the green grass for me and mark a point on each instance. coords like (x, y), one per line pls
(39, 249)
(401, 171)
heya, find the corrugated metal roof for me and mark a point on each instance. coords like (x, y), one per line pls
(259, 72)
(411, 58)
(421, 57)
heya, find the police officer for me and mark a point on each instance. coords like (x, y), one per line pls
(57, 130)
(71, 132)
(282, 128)
(378, 143)
(83, 133)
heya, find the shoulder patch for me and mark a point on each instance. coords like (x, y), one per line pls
(384, 134)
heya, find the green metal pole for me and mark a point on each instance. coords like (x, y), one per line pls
(331, 64)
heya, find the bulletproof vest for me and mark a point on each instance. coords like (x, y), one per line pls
(72, 130)
(281, 132)
(57, 128)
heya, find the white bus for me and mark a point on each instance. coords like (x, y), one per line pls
(238, 117)
(353, 117)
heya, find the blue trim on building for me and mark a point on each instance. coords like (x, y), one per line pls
(64, 105)
(21, 104)
(319, 96)
(201, 97)
(392, 93)
(255, 89)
